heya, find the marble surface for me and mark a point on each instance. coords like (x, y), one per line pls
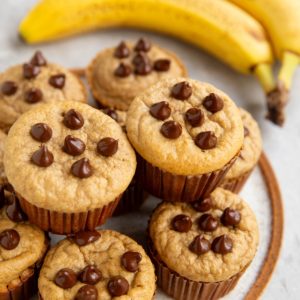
(282, 145)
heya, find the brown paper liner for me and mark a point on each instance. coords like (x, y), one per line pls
(66, 223)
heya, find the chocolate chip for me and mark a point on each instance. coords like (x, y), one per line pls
(246, 131)
(112, 113)
(82, 168)
(118, 286)
(222, 244)
(130, 261)
(65, 278)
(122, 51)
(122, 70)
(143, 69)
(160, 110)
(87, 292)
(182, 223)
(202, 205)
(33, 95)
(90, 275)
(9, 239)
(73, 146)
(83, 238)
(171, 130)
(194, 116)
(213, 103)
(41, 132)
(162, 65)
(2, 196)
(9, 88)
(14, 211)
(30, 71)
(142, 45)
(140, 58)
(206, 140)
(38, 59)
(73, 119)
(208, 223)
(107, 146)
(230, 217)
(42, 157)
(57, 81)
(200, 245)
(181, 90)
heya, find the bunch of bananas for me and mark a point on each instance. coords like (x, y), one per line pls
(242, 33)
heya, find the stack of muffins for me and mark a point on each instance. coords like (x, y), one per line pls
(68, 167)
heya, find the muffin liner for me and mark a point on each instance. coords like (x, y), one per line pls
(172, 187)
(66, 223)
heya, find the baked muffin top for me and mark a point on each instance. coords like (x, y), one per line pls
(24, 86)
(2, 173)
(68, 157)
(210, 240)
(108, 264)
(185, 127)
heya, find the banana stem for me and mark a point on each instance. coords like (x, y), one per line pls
(265, 76)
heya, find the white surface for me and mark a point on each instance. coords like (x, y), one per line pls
(282, 145)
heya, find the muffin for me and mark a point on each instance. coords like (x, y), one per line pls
(117, 75)
(201, 249)
(187, 134)
(103, 264)
(24, 86)
(248, 158)
(2, 173)
(69, 164)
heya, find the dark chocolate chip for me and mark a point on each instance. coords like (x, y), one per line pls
(140, 58)
(82, 168)
(14, 211)
(206, 140)
(73, 119)
(162, 65)
(160, 110)
(118, 286)
(41, 132)
(182, 223)
(65, 278)
(112, 113)
(171, 129)
(42, 157)
(222, 244)
(181, 90)
(83, 238)
(123, 70)
(130, 261)
(90, 275)
(122, 51)
(57, 81)
(213, 103)
(73, 146)
(230, 217)
(9, 239)
(194, 116)
(2, 196)
(200, 245)
(142, 45)
(38, 59)
(30, 71)
(208, 223)
(143, 69)
(87, 292)
(33, 95)
(8, 88)
(107, 146)
(202, 205)
(246, 131)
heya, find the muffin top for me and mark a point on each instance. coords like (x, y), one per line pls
(185, 127)
(116, 75)
(251, 150)
(108, 264)
(210, 240)
(24, 86)
(68, 157)
(2, 173)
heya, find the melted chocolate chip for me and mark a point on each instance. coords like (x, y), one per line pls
(112, 113)
(9, 88)
(90, 275)
(82, 168)
(87, 292)
(38, 59)
(181, 90)
(9, 239)
(41, 132)
(107, 146)
(246, 131)
(213, 103)
(143, 69)
(194, 117)
(122, 51)
(14, 211)
(202, 205)
(83, 238)
(160, 110)
(57, 81)
(73, 146)
(73, 119)
(65, 278)
(171, 130)
(30, 71)
(143, 45)
(162, 65)
(130, 261)
(230, 217)
(123, 70)
(33, 95)
(140, 58)
(2, 196)
(200, 245)
(182, 223)
(118, 286)
(222, 244)
(208, 223)
(42, 157)
(206, 140)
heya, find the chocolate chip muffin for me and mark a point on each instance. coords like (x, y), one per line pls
(117, 75)
(2, 173)
(238, 175)
(201, 249)
(103, 265)
(69, 164)
(187, 134)
(24, 86)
